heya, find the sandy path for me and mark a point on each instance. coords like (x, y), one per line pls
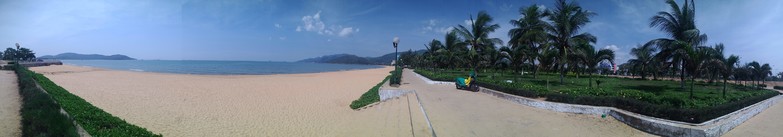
(10, 121)
(246, 105)
(766, 124)
(462, 113)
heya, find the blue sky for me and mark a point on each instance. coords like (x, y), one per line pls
(290, 30)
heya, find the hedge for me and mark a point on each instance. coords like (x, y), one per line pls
(369, 97)
(631, 100)
(40, 113)
(778, 87)
(94, 120)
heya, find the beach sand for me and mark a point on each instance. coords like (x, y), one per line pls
(10, 104)
(313, 104)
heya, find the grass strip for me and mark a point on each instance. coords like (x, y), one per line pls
(94, 120)
(369, 97)
(40, 113)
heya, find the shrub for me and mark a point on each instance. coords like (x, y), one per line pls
(369, 97)
(661, 111)
(396, 76)
(778, 87)
(94, 120)
(40, 113)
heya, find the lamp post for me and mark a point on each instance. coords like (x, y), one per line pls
(396, 55)
(16, 55)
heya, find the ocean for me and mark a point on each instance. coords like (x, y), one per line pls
(217, 67)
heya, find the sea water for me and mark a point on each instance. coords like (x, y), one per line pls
(217, 67)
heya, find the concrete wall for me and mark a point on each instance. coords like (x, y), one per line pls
(712, 128)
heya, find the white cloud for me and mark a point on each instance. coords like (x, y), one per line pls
(313, 23)
(619, 55)
(611, 47)
(432, 25)
(468, 23)
(347, 31)
(278, 25)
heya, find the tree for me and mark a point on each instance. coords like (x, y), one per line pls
(679, 24)
(567, 20)
(764, 72)
(25, 54)
(10, 54)
(456, 49)
(478, 36)
(727, 68)
(433, 54)
(699, 58)
(529, 34)
(591, 58)
(644, 57)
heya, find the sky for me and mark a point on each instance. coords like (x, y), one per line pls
(290, 30)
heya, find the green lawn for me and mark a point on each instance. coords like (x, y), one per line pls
(617, 92)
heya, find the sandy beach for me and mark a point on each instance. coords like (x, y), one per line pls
(226, 105)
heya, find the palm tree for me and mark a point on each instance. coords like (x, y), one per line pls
(729, 62)
(478, 35)
(567, 20)
(591, 58)
(700, 58)
(765, 71)
(455, 47)
(679, 24)
(727, 69)
(529, 34)
(434, 49)
(644, 57)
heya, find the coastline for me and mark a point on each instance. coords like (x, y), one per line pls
(207, 67)
(307, 104)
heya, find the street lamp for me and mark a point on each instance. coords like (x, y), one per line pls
(396, 55)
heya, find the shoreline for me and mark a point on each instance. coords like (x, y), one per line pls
(370, 66)
(92, 68)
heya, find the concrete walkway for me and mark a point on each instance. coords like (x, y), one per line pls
(462, 113)
(10, 104)
(766, 124)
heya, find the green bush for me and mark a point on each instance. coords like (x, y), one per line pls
(40, 113)
(94, 120)
(369, 97)
(778, 87)
(396, 76)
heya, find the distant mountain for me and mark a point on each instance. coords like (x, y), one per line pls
(76, 56)
(353, 59)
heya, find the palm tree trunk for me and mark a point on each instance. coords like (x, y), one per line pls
(682, 74)
(562, 73)
(692, 81)
(590, 79)
(535, 68)
(724, 87)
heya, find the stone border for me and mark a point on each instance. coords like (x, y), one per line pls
(712, 128)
